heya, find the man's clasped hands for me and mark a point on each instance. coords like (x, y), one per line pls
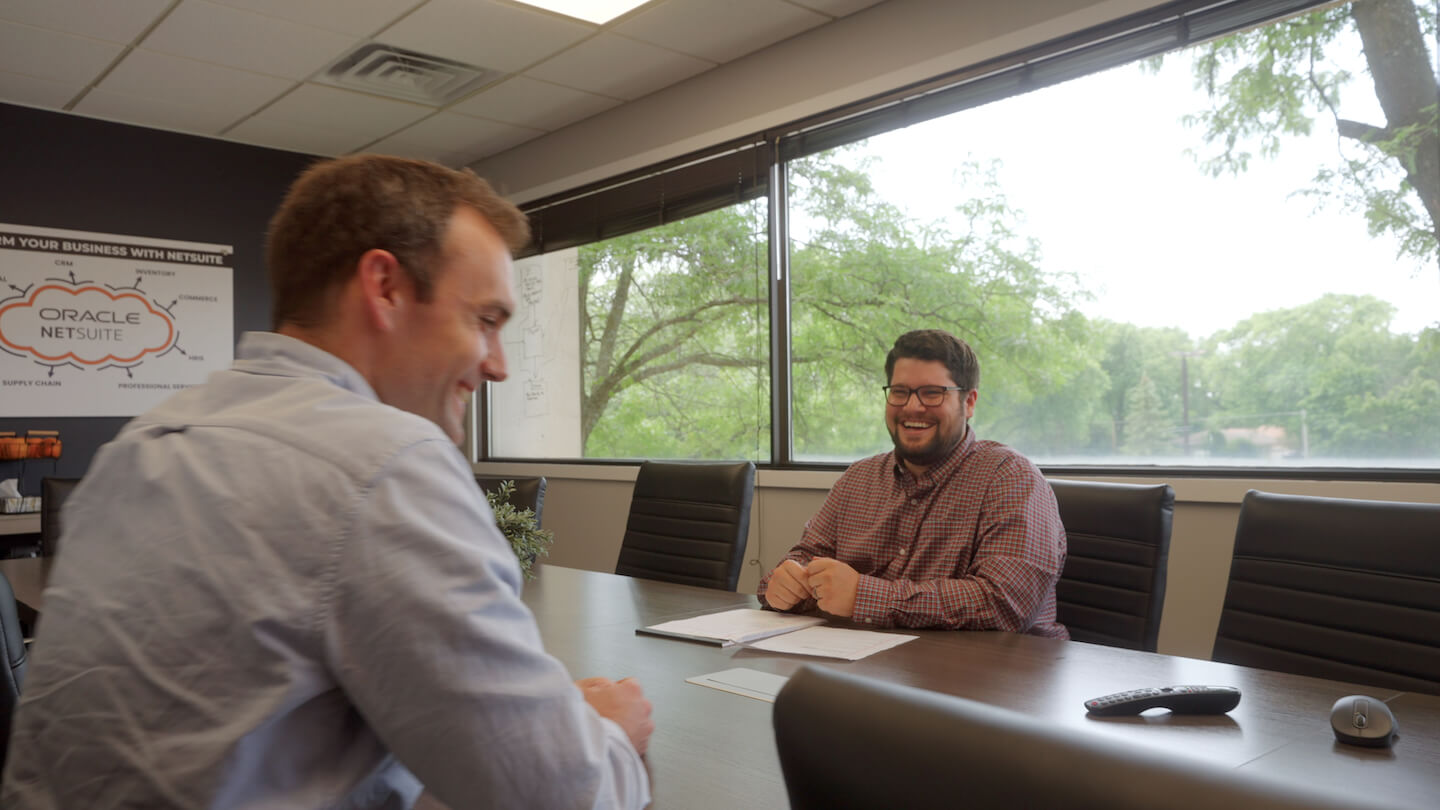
(831, 583)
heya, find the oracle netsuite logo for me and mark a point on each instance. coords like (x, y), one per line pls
(88, 325)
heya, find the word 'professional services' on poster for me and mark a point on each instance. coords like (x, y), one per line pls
(108, 325)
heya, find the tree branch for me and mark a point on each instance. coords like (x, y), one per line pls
(1362, 132)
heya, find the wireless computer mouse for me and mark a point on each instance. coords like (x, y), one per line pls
(1363, 720)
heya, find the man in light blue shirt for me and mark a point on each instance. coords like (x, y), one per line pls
(283, 589)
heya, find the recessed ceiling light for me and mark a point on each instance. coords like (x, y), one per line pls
(595, 11)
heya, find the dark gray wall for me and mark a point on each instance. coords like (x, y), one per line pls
(64, 171)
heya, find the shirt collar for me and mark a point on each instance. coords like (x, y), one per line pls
(278, 355)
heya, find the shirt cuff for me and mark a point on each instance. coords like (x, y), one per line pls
(874, 601)
(628, 781)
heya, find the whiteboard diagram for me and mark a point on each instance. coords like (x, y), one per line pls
(536, 411)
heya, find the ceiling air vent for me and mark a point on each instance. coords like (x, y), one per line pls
(389, 71)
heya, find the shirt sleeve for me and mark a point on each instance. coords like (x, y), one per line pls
(1019, 552)
(427, 635)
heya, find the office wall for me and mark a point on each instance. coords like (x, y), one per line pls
(586, 507)
(871, 52)
(65, 171)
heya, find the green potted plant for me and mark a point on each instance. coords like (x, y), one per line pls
(520, 527)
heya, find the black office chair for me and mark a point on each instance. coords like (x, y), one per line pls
(688, 523)
(529, 491)
(1335, 588)
(852, 742)
(1112, 590)
(53, 492)
(12, 663)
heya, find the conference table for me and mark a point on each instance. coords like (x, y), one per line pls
(714, 749)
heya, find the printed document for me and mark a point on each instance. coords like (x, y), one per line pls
(832, 642)
(730, 627)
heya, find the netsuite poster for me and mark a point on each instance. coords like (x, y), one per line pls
(98, 324)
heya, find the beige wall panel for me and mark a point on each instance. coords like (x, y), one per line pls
(1202, 537)
(588, 518)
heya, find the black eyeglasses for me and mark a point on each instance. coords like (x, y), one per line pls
(930, 395)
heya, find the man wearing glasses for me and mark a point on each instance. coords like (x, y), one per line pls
(944, 531)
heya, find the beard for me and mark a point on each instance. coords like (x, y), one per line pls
(931, 452)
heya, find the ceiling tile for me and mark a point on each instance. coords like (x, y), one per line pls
(358, 17)
(32, 92)
(615, 66)
(114, 22)
(282, 135)
(837, 8)
(532, 103)
(399, 148)
(150, 112)
(187, 83)
(719, 32)
(227, 36)
(483, 33)
(43, 54)
(325, 108)
(457, 137)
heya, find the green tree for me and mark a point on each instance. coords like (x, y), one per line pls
(1271, 82)
(1130, 352)
(864, 272)
(1332, 369)
(675, 335)
(1149, 430)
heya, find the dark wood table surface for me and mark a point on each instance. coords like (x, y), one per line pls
(713, 749)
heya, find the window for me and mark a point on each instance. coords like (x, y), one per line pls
(1140, 287)
(673, 345)
(1222, 254)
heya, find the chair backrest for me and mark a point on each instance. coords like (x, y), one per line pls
(12, 662)
(1112, 590)
(53, 492)
(688, 523)
(1335, 588)
(529, 492)
(852, 742)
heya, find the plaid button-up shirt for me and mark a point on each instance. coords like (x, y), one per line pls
(975, 543)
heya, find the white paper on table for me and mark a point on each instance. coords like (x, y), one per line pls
(740, 681)
(832, 642)
(735, 626)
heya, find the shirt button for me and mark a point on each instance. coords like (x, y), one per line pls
(902, 551)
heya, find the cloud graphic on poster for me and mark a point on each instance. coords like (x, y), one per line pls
(88, 325)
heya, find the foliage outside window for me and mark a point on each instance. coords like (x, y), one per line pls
(1226, 255)
(1096, 319)
(675, 341)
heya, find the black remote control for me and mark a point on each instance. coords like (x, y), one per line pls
(1178, 699)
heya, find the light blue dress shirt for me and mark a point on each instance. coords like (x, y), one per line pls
(276, 592)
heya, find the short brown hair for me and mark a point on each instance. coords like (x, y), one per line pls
(338, 209)
(942, 347)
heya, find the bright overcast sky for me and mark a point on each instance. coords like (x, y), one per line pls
(1104, 182)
